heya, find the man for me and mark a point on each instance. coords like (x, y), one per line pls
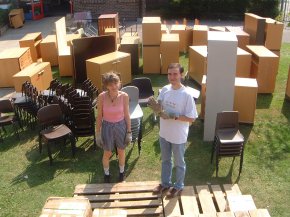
(178, 110)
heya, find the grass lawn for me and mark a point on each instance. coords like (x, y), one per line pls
(26, 179)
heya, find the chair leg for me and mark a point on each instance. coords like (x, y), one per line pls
(213, 150)
(217, 165)
(140, 136)
(241, 162)
(49, 153)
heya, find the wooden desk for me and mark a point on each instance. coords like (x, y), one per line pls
(38, 74)
(117, 61)
(32, 40)
(12, 61)
(48, 50)
(264, 68)
(169, 49)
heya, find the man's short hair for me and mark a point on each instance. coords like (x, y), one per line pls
(175, 66)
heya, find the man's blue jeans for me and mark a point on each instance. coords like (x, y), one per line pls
(178, 151)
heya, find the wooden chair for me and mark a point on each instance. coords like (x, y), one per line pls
(228, 141)
(50, 121)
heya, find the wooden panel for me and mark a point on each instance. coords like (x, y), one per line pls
(242, 36)
(151, 60)
(188, 201)
(197, 62)
(232, 189)
(107, 21)
(158, 211)
(65, 63)
(32, 40)
(130, 44)
(273, 34)
(199, 35)
(255, 26)
(219, 197)
(241, 203)
(169, 49)
(48, 50)
(242, 214)
(109, 212)
(171, 207)
(225, 214)
(150, 25)
(205, 199)
(128, 204)
(259, 213)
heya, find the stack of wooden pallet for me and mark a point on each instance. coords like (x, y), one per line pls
(138, 199)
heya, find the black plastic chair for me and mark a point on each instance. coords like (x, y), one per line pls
(145, 89)
(228, 141)
(50, 121)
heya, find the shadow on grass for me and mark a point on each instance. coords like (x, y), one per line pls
(286, 109)
(264, 101)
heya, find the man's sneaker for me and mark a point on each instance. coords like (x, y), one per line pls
(121, 176)
(107, 178)
(159, 189)
(173, 192)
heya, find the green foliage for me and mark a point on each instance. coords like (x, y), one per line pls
(219, 8)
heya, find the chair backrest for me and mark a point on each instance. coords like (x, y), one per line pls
(49, 115)
(145, 87)
(133, 93)
(227, 119)
(6, 106)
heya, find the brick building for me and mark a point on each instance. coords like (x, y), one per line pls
(131, 9)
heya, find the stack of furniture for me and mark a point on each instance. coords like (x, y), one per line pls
(12, 61)
(48, 50)
(254, 25)
(242, 36)
(16, 18)
(32, 40)
(169, 49)
(151, 32)
(199, 35)
(117, 61)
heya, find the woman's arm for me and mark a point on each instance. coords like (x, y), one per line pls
(126, 112)
(100, 112)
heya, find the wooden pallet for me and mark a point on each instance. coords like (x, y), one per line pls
(137, 199)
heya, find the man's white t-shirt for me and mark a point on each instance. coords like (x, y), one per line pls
(179, 102)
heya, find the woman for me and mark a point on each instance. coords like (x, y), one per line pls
(113, 123)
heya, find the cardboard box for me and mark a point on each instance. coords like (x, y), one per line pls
(245, 98)
(288, 85)
(38, 74)
(185, 36)
(117, 61)
(32, 40)
(66, 206)
(169, 49)
(151, 30)
(242, 36)
(48, 49)
(273, 34)
(12, 61)
(199, 35)
(198, 63)
(151, 59)
(254, 25)
(131, 45)
(264, 68)
(16, 18)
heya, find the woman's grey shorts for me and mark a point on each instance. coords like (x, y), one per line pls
(113, 134)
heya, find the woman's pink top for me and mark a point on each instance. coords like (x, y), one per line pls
(113, 113)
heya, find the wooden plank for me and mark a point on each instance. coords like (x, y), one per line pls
(205, 200)
(120, 184)
(109, 212)
(145, 212)
(171, 206)
(242, 214)
(207, 215)
(259, 213)
(225, 214)
(128, 204)
(112, 197)
(232, 189)
(189, 202)
(241, 203)
(219, 197)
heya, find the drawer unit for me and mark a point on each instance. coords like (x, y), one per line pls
(32, 40)
(242, 36)
(151, 30)
(117, 61)
(264, 68)
(38, 74)
(151, 59)
(12, 61)
(48, 50)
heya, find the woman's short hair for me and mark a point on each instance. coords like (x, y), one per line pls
(109, 78)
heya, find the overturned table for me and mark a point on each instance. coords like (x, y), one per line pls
(138, 199)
